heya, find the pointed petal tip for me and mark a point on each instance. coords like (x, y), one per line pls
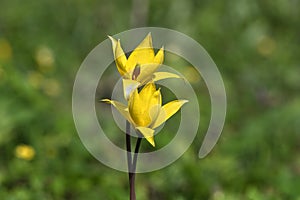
(108, 101)
(164, 75)
(149, 38)
(184, 101)
(151, 141)
(105, 100)
(153, 144)
(112, 39)
(148, 133)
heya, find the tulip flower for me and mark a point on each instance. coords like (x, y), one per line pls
(141, 65)
(145, 111)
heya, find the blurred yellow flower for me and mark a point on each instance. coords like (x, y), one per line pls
(24, 152)
(5, 50)
(145, 112)
(35, 79)
(2, 73)
(51, 87)
(44, 58)
(141, 65)
(266, 46)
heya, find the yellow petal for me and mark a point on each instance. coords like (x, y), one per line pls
(147, 92)
(163, 75)
(129, 86)
(167, 111)
(135, 106)
(154, 113)
(148, 133)
(121, 59)
(140, 104)
(159, 57)
(152, 100)
(113, 43)
(138, 110)
(146, 73)
(143, 54)
(147, 70)
(123, 110)
(155, 106)
(119, 56)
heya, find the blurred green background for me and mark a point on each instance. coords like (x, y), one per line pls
(256, 46)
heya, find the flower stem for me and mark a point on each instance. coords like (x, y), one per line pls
(136, 151)
(131, 164)
(128, 146)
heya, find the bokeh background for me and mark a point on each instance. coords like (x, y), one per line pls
(254, 43)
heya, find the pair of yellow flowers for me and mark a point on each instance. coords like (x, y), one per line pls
(144, 110)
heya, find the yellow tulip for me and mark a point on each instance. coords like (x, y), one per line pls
(25, 152)
(141, 65)
(144, 110)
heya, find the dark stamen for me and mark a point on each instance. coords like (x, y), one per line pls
(136, 72)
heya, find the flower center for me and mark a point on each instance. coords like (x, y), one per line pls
(136, 72)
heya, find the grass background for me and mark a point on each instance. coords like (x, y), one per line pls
(255, 44)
